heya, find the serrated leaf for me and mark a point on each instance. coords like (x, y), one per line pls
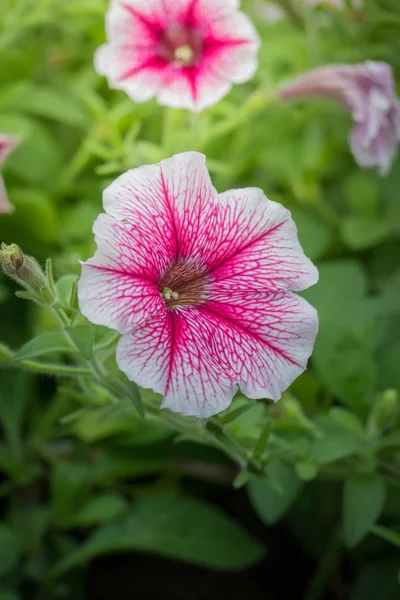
(45, 343)
(83, 338)
(363, 500)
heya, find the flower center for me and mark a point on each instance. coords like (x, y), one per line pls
(181, 45)
(183, 284)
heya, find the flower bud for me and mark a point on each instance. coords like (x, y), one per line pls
(23, 269)
(385, 412)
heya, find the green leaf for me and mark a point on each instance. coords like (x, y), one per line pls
(363, 500)
(83, 338)
(65, 287)
(361, 193)
(337, 442)
(361, 232)
(315, 235)
(35, 217)
(103, 507)
(55, 105)
(271, 503)
(176, 527)
(99, 424)
(44, 343)
(9, 550)
(37, 156)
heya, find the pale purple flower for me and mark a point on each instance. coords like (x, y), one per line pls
(367, 91)
(8, 143)
(200, 285)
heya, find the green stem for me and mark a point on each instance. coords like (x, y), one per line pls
(324, 569)
(40, 367)
(386, 534)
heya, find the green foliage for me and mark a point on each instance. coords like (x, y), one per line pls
(176, 527)
(90, 465)
(363, 500)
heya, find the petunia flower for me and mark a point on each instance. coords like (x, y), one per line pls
(8, 143)
(367, 91)
(186, 53)
(201, 285)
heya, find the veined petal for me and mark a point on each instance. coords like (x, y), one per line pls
(196, 357)
(173, 356)
(263, 340)
(258, 247)
(128, 248)
(116, 299)
(172, 201)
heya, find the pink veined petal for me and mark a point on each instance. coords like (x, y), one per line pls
(196, 357)
(174, 201)
(132, 23)
(263, 340)
(258, 248)
(194, 88)
(172, 356)
(137, 71)
(116, 299)
(128, 248)
(5, 206)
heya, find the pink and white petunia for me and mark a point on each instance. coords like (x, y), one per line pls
(186, 53)
(8, 143)
(201, 286)
(367, 90)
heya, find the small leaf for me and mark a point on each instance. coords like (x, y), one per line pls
(64, 287)
(270, 504)
(83, 338)
(45, 343)
(98, 509)
(363, 500)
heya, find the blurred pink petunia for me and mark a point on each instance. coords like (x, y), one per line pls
(186, 53)
(367, 91)
(8, 143)
(201, 285)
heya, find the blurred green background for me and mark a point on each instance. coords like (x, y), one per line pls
(96, 502)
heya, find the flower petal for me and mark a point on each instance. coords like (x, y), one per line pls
(263, 340)
(128, 248)
(195, 357)
(115, 299)
(173, 202)
(258, 247)
(172, 355)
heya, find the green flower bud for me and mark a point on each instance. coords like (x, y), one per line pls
(385, 412)
(23, 269)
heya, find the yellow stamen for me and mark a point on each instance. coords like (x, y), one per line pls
(184, 55)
